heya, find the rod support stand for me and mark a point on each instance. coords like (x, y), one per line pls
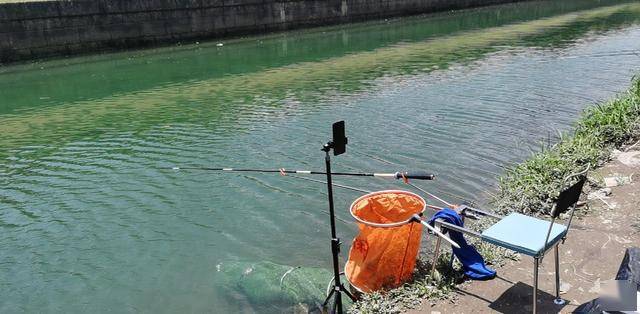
(327, 147)
(335, 245)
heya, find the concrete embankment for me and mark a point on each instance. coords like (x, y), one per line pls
(36, 29)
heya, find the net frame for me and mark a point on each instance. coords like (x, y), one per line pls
(388, 225)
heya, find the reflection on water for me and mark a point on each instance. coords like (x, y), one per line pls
(93, 223)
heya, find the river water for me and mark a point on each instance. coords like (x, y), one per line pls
(91, 222)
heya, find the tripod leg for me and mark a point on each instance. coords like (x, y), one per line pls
(324, 304)
(348, 293)
(336, 306)
(338, 299)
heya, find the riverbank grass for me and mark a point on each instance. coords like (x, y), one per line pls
(410, 295)
(529, 188)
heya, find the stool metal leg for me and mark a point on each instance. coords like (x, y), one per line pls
(558, 300)
(451, 261)
(535, 284)
(436, 255)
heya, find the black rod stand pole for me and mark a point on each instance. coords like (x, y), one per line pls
(335, 241)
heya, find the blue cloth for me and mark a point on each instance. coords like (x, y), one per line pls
(472, 262)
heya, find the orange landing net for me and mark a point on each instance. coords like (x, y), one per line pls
(384, 253)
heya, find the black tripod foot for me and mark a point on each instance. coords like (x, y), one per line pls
(326, 301)
(349, 294)
(336, 292)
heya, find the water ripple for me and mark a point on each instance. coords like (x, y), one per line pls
(94, 218)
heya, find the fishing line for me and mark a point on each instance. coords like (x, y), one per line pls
(425, 192)
(476, 169)
(453, 195)
(384, 161)
(334, 184)
(365, 191)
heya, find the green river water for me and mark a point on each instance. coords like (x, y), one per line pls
(92, 223)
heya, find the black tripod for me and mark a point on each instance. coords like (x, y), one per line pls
(339, 147)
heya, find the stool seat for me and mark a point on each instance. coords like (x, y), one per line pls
(523, 234)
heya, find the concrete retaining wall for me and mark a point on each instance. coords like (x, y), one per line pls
(32, 30)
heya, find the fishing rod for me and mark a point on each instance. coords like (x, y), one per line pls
(416, 175)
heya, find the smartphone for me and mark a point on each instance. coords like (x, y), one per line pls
(339, 138)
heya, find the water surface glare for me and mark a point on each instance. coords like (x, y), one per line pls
(92, 223)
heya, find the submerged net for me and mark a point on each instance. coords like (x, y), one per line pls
(384, 253)
(270, 284)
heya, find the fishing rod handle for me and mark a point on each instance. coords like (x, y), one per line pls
(418, 175)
